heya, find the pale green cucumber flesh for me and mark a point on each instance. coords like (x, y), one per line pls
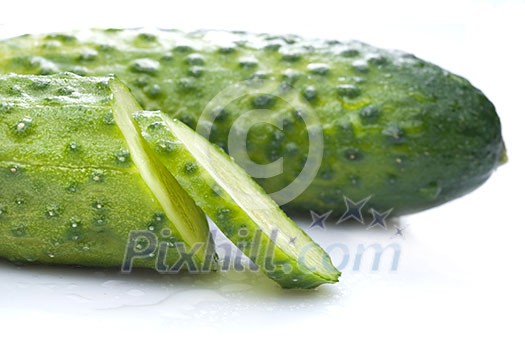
(239, 207)
(71, 189)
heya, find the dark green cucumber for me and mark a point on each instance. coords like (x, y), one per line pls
(395, 127)
(239, 207)
(76, 178)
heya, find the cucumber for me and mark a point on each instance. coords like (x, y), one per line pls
(401, 130)
(77, 180)
(237, 205)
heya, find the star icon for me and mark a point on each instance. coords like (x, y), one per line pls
(319, 220)
(399, 231)
(379, 218)
(353, 210)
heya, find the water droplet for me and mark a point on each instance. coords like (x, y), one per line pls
(72, 188)
(290, 76)
(291, 149)
(348, 91)
(159, 217)
(65, 91)
(97, 176)
(75, 222)
(79, 70)
(23, 126)
(248, 62)
(19, 230)
(431, 191)
(190, 168)
(377, 60)
(73, 146)
(310, 93)
(291, 56)
(52, 211)
(88, 54)
(219, 114)
(166, 146)
(369, 114)
(100, 221)
(122, 156)
(195, 60)
(108, 118)
(145, 65)
(392, 179)
(45, 66)
(354, 180)
(41, 84)
(154, 91)
(394, 133)
(6, 107)
(187, 84)
(360, 66)
(265, 101)
(353, 154)
(196, 71)
(223, 213)
(321, 69)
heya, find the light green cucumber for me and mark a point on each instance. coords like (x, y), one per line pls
(401, 130)
(76, 178)
(237, 205)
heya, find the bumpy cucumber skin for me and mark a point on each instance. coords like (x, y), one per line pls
(395, 127)
(288, 270)
(70, 192)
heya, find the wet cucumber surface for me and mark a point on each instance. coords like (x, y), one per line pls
(82, 167)
(396, 128)
(71, 190)
(237, 205)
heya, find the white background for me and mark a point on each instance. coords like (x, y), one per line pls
(460, 280)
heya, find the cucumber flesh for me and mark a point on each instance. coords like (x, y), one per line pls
(237, 205)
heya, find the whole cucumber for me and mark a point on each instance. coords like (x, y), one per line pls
(73, 185)
(394, 127)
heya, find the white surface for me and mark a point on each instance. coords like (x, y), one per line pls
(460, 280)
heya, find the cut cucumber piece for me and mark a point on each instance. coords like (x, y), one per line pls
(76, 179)
(237, 205)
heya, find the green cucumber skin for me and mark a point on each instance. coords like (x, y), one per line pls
(288, 270)
(395, 127)
(70, 192)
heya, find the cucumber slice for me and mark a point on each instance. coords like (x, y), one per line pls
(76, 179)
(237, 205)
